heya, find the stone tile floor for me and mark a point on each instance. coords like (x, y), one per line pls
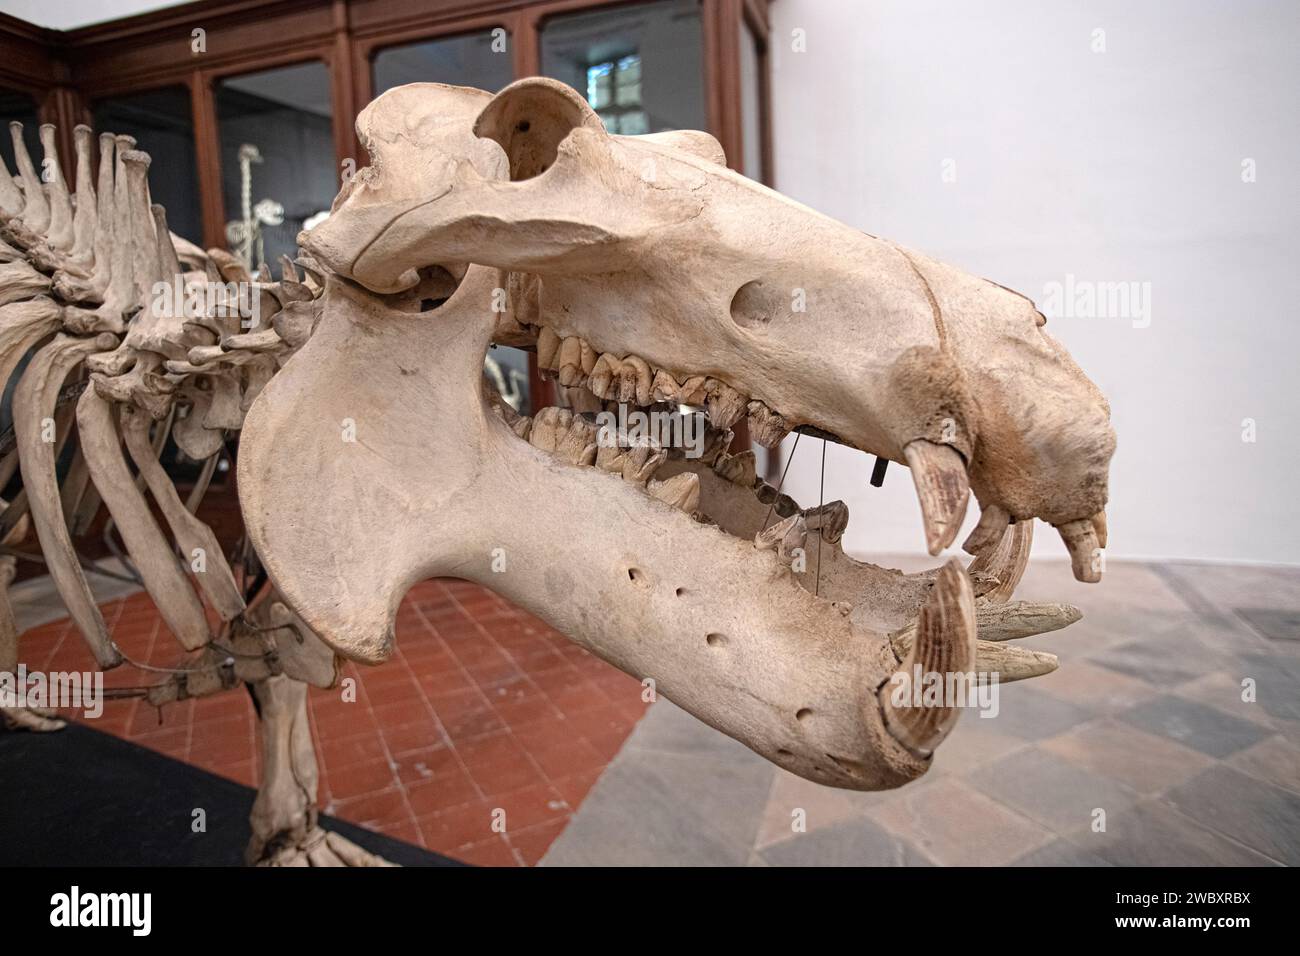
(1144, 723)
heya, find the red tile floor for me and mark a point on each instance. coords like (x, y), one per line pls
(482, 708)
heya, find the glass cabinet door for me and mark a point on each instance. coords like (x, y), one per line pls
(162, 123)
(278, 171)
(19, 107)
(480, 60)
(641, 66)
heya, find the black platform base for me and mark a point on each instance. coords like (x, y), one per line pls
(79, 797)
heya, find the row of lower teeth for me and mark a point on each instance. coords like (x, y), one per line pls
(630, 379)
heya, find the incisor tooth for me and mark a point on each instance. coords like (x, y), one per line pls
(642, 461)
(1080, 539)
(1012, 662)
(741, 469)
(664, 388)
(766, 426)
(1099, 526)
(680, 491)
(548, 345)
(570, 361)
(588, 357)
(726, 405)
(831, 519)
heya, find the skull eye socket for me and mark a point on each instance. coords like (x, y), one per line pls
(530, 118)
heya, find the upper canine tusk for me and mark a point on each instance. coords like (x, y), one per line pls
(943, 488)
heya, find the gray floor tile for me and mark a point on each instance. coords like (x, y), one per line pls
(1056, 793)
(1143, 762)
(1153, 833)
(1277, 683)
(1276, 760)
(1156, 662)
(1195, 725)
(857, 842)
(1031, 714)
(667, 810)
(1276, 624)
(1222, 690)
(1258, 814)
(956, 825)
(674, 731)
(1060, 852)
(1237, 585)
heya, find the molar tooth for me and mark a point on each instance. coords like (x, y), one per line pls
(831, 518)
(611, 458)
(549, 427)
(522, 427)
(716, 443)
(664, 388)
(739, 469)
(680, 491)
(766, 426)
(577, 445)
(604, 379)
(642, 461)
(726, 405)
(784, 536)
(693, 391)
(569, 361)
(548, 347)
(635, 381)
(782, 504)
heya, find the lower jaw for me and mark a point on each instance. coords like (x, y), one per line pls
(697, 614)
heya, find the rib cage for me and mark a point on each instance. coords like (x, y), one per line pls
(134, 336)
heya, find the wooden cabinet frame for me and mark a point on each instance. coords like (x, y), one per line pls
(65, 71)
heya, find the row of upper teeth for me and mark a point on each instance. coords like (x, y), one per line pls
(631, 379)
(574, 438)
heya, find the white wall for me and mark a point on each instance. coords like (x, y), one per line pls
(70, 14)
(1123, 165)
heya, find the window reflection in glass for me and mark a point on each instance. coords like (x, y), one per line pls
(479, 60)
(641, 66)
(277, 157)
(162, 123)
